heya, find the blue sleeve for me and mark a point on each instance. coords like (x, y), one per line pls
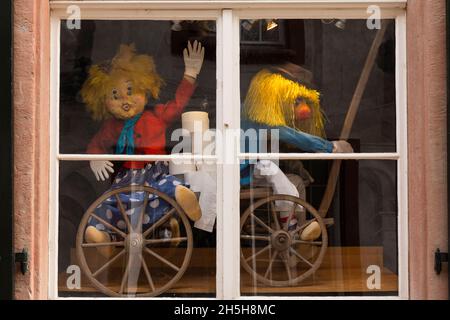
(304, 141)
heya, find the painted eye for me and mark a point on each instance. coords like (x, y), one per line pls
(115, 94)
(129, 90)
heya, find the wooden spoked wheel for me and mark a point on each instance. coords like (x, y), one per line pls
(135, 248)
(270, 252)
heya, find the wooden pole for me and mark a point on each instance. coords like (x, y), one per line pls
(351, 114)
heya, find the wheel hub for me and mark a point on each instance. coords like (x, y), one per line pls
(134, 243)
(281, 240)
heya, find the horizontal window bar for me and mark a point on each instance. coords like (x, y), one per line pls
(127, 13)
(229, 4)
(311, 13)
(124, 157)
(144, 13)
(319, 156)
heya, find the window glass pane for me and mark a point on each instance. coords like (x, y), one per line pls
(180, 253)
(289, 247)
(133, 228)
(154, 75)
(301, 76)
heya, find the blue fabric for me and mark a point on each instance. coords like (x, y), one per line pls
(246, 173)
(126, 138)
(301, 140)
(155, 175)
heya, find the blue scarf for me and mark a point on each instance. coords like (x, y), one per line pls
(126, 137)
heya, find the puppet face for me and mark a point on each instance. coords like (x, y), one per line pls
(120, 87)
(125, 101)
(274, 100)
(302, 110)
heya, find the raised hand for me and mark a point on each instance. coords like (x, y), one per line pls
(100, 168)
(193, 59)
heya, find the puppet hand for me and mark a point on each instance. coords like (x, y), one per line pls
(342, 147)
(100, 168)
(193, 59)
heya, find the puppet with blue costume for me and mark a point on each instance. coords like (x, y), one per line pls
(277, 102)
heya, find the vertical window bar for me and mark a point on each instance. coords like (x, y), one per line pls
(402, 149)
(55, 24)
(229, 156)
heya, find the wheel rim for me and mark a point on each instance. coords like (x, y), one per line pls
(280, 243)
(135, 245)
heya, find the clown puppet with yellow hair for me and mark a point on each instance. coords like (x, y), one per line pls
(278, 103)
(117, 93)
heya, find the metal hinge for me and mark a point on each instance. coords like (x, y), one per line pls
(439, 258)
(22, 258)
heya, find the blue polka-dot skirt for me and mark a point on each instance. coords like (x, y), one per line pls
(155, 175)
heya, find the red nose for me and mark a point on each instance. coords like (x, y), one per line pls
(303, 111)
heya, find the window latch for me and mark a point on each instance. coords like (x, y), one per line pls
(22, 258)
(439, 258)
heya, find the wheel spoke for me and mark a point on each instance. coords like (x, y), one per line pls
(110, 226)
(300, 257)
(157, 256)
(269, 268)
(147, 273)
(107, 264)
(159, 222)
(255, 238)
(303, 226)
(103, 244)
(124, 213)
(252, 257)
(125, 276)
(288, 268)
(274, 216)
(168, 240)
(141, 215)
(261, 223)
(313, 243)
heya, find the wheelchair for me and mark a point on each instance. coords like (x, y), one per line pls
(144, 263)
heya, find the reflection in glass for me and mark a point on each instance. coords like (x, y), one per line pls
(301, 77)
(134, 231)
(99, 41)
(104, 229)
(302, 233)
(290, 247)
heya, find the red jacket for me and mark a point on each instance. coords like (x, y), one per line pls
(149, 130)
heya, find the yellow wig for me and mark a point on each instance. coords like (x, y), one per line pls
(271, 100)
(139, 69)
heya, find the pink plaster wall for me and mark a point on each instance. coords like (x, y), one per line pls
(427, 143)
(427, 146)
(31, 117)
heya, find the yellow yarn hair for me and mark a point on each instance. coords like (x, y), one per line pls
(271, 100)
(139, 69)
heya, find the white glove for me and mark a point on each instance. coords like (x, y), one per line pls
(342, 147)
(193, 59)
(100, 168)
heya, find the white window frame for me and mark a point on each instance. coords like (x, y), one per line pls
(227, 15)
